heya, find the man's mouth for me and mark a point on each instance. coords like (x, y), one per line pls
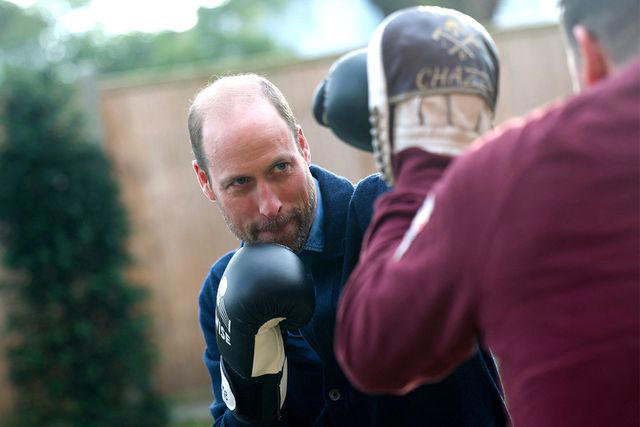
(271, 231)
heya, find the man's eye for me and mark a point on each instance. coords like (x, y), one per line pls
(282, 166)
(240, 181)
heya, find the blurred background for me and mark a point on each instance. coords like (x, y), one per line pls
(105, 237)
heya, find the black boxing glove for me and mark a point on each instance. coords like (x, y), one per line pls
(340, 101)
(263, 288)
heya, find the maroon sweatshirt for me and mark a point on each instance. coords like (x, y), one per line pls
(530, 244)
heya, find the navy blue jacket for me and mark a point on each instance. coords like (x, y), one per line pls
(318, 393)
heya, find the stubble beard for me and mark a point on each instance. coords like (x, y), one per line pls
(303, 217)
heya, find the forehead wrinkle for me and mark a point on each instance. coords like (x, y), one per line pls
(225, 108)
(221, 123)
(242, 149)
(221, 103)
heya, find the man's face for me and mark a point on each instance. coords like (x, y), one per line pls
(258, 175)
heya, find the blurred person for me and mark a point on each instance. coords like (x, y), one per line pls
(252, 159)
(529, 242)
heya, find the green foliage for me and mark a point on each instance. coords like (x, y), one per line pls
(233, 29)
(17, 25)
(80, 354)
(20, 33)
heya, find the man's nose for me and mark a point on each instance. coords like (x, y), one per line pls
(268, 201)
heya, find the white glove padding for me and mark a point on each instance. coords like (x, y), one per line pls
(441, 124)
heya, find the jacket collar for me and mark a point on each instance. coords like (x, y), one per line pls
(336, 193)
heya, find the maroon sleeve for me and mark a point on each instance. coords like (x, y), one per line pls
(401, 322)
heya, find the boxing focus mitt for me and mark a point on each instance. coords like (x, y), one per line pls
(433, 83)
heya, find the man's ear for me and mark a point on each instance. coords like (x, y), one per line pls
(203, 180)
(594, 65)
(304, 146)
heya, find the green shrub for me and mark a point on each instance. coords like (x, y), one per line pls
(79, 353)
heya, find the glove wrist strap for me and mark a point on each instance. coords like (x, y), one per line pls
(253, 400)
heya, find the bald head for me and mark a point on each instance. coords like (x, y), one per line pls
(225, 96)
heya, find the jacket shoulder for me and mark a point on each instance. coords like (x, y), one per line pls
(366, 192)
